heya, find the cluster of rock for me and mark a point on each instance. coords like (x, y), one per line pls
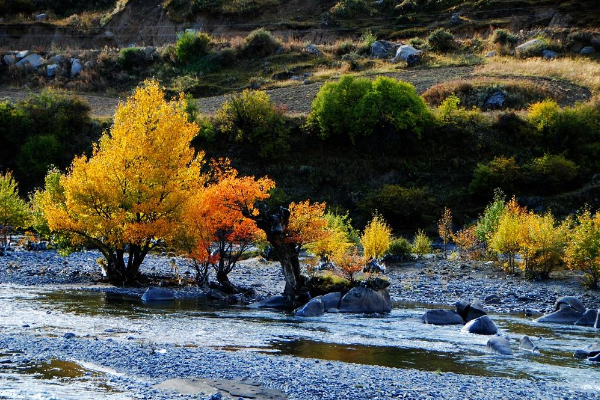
(569, 310)
(27, 60)
(359, 300)
(476, 321)
(397, 51)
(540, 46)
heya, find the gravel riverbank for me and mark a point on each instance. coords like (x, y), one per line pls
(139, 365)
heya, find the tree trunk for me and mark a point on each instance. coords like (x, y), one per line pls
(121, 273)
(226, 285)
(275, 227)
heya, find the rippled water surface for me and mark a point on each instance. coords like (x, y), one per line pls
(395, 340)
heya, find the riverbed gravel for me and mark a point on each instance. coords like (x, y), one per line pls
(142, 364)
(139, 367)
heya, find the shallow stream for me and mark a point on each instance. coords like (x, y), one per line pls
(399, 339)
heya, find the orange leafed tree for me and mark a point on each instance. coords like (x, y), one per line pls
(130, 192)
(217, 224)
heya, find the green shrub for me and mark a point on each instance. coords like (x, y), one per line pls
(360, 107)
(504, 37)
(417, 43)
(441, 40)
(251, 118)
(367, 39)
(400, 247)
(43, 130)
(501, 172)
(421, 244)
(551, 174)
(488, 221)
(346, 9)
(260, 43)
(131, 57)
(401, 206)
(534, 50)
(191, 45)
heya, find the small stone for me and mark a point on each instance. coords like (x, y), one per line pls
(527, 345)
(500, 345)
(481, 326)
(69, 335)
(586, 51)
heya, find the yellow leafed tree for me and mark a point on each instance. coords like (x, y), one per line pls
(507, 237)
(129, 194)
(376, 237)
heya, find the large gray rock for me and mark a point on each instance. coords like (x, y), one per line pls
(470, 311)
(475, 311)
(367, 301)
(40, 17)
(51, 70)
(481, 326)
(157, 294)
(531, 45)
(34, 60)
(313, 308)
(442, 317)
(22, 54)
(588, 319)
(9, 59)
(500, 345)
(527, 345)
(566, 315)
(404, 52)
(592, 350)
(76, 67)
(381, 49)
(569, 301)
(312, 49)
(332, 300)
(549, 55)
(278, 302)
(587, 50)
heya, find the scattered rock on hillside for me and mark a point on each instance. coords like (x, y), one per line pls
(76, 67)
(40, 17)
(22, 54)
(312, 49)
(495, 101)
(34, 60)
(530, 45)
(549, 55)
(404, 52)
(51, 70)
(9, 59)
(382, 49)
(587, 50)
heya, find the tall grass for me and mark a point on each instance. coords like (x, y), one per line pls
(579, 71)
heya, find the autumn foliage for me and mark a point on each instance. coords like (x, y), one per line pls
(130, 192)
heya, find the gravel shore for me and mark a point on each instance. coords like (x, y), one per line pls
(140, 365)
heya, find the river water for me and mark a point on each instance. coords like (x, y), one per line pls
(398, 339)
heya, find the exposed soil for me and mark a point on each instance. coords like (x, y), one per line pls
(298, 98)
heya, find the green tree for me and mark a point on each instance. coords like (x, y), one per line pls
(583, 248)
(14, 212)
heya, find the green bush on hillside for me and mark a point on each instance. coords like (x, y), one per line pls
(253, 119)
(192, 45)
(441, 40)
(360, 107)
(551, 174)
(260, 43)
(401, 206)
(501, 172)
(131, 57)
(504, 37)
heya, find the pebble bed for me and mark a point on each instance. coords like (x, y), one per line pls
(141, 365)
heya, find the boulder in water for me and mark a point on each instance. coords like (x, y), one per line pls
(442, 317)
(588, 319)
(332, 300)
(500, 345)
(157, 294)
(365, 300)
(313, 308)
(527, 345)
(569, 301)
(566, 315)
(481, 326)
(278, 302)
